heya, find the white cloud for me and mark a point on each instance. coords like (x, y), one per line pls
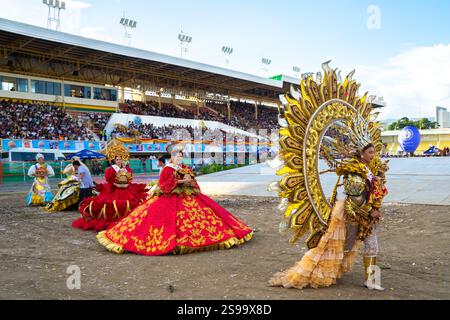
(98, 33)
(72, 4)
(71, 19)
(413, 83)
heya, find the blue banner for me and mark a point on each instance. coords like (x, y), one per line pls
(63, 145)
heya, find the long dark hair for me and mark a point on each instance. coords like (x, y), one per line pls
(359, 152)
(370, 145)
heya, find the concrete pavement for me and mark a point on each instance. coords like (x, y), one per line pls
(410, 180)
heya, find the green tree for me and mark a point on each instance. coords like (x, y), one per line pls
(400, 124)
(421, 124)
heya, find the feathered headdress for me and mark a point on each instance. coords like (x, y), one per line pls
(325, 119)
(175, 147)
(115, 149)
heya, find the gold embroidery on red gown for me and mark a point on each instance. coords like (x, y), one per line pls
(194, 219)
(175, 222)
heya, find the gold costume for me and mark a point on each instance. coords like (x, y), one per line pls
(68, 190)
(67, 195)
(336, 229)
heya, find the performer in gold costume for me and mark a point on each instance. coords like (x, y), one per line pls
(327, 121)
(69, 190)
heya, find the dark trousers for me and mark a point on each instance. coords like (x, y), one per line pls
(85, 193)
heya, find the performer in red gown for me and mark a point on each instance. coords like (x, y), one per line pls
(177, 219)
(118, 196)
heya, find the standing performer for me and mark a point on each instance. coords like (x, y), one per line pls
(118, 196)
(178, 219)
(40, 193)
(328, 121)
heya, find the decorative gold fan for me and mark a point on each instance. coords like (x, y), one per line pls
(320, 105)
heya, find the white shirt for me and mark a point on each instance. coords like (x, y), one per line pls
(32, 170)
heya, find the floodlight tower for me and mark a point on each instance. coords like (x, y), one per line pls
(296, 71)
(306, 75)
(227, 51)
(128, 25)
(266, 63)
(185, 40)
(54, 13)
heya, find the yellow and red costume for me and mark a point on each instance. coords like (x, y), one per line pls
(115, 201)
(177, 219)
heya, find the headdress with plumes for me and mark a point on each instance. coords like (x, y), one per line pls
(115, 149)
(325, 119)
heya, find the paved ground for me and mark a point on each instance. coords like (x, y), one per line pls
(413, 180)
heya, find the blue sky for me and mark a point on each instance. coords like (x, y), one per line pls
(412, 44)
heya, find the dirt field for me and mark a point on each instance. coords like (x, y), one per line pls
(37, 248)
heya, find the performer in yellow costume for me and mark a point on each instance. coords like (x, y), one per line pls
(327, 123)
(40, 193)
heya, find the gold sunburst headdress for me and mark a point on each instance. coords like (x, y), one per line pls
(321, 106)
(114, 149)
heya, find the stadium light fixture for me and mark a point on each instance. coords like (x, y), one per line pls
(128, 25)
(54, 12)
(266, 63)
(227, 51)
(185, 40)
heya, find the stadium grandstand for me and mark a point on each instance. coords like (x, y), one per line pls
(61, 87)
(60, 93)
(80, 74)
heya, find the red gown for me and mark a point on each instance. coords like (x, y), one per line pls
(175, 221)
(112, 204)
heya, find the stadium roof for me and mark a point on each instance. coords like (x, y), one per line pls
(43, 52)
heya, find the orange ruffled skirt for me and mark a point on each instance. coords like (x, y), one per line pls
(323, 265)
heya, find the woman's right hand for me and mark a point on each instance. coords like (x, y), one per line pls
(375, 214)
(189, 183)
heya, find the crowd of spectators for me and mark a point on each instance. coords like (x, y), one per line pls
(96, 122)
(20, 120)
(177, 132)
(242, 114)
(25, 120)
